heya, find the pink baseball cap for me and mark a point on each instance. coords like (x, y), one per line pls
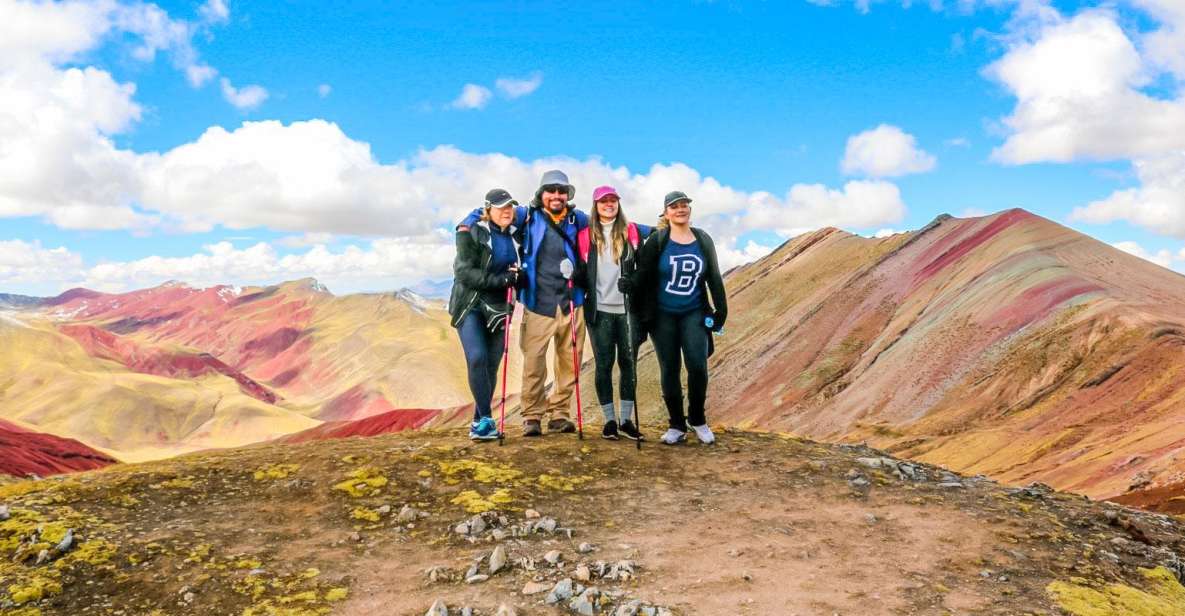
(601, 192)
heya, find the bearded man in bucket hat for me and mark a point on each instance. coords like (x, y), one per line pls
(550, 228)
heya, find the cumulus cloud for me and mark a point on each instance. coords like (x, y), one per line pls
(885, 151)
(56, 33)
(1158, 204)
(28, 262)
(472, 96)
(215, 11)
(384, 263)
(1089, 88)
(1162, 257)
(59, 161)
(1079, 89)
(245, 98)
(515, 87)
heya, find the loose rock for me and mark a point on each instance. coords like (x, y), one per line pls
(497, 559)
(585, 548)
(438, 609)
(552, 557)
(560, 592)
(534, 588)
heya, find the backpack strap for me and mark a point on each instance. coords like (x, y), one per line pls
(583, 244)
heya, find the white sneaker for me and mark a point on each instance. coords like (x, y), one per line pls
(673, 437)
(704, 433)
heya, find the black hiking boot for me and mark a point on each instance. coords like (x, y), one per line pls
(630, 431)
(609, 432)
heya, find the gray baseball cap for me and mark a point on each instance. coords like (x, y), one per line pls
(499, 198)
(673, 196)
(555, 177)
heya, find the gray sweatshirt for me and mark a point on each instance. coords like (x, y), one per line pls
(609, 299)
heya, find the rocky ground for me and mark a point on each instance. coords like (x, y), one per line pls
(430, 523)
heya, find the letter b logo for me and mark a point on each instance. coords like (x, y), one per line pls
(685, 272)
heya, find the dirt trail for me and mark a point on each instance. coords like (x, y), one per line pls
(757, 524)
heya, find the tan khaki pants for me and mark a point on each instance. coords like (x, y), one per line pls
(537, 331)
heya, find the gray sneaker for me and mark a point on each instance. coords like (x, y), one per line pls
(561, 425)
(532, 427)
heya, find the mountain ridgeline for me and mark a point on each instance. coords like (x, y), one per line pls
(1006, 345)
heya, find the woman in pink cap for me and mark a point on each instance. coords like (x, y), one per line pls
(607, 247)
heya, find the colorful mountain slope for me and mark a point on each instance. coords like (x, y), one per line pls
(161, 371)
(1007, 345)
(49, 382)
(28, 452)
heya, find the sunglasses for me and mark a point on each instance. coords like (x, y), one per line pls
(556, 188)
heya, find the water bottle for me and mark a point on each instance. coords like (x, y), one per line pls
(709, 323)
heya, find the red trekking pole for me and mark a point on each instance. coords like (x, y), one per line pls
(505, 362)
(566, 270)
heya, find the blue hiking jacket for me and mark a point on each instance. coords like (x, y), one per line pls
(533, 221)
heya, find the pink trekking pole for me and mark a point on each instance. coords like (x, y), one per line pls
(505, 362)
(566, 270)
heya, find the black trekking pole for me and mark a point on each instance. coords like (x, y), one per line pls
(633, 350)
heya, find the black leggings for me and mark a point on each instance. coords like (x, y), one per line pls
(675, 335)
(610, 342)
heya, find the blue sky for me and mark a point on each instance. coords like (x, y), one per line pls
(760, 96)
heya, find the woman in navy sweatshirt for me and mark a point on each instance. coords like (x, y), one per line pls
(681, 299)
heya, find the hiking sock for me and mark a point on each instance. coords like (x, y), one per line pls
(627, 411)
(610, 413)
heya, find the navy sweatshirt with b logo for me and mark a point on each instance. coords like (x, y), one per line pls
(680, 268)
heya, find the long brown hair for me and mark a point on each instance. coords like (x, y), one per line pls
(619, 232)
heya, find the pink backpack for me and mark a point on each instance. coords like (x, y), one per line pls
(583, 244)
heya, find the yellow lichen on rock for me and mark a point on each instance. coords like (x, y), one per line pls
(336, 594)
(178, 483)
(1163, 596)
(559, 482)
(474, 502)
(362, 513)
(248, 563)
(276, 471)
(483, 472)
(37, 586)
(366, 481)
(94, 552)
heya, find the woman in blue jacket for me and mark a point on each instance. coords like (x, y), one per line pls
(485, 268)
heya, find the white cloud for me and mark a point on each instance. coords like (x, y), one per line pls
(28, 262)
(1162, 257)
(957, 142)
(59, 162)
(215, 11)
(1158, 204)
(885, 151)
(305, 239)
(54, 33)
(472, 96)
(386, 263)
(515, 88)
(245, 98)
(1165, 46)
(1078, 84)
(886, 232)
(324, 90)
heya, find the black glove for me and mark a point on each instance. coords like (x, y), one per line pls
(626, 285)
(507, 279)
